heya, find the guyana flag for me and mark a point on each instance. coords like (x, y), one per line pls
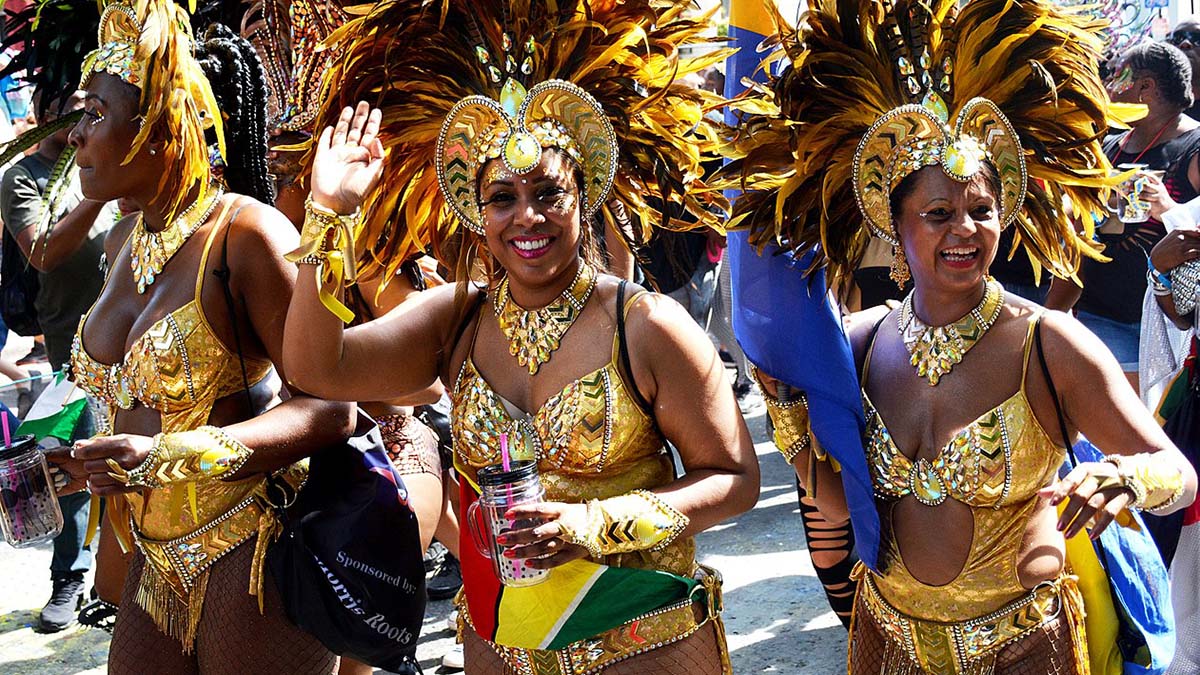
(56, 412)
(576, 601)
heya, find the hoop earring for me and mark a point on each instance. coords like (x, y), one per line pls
(900, 272)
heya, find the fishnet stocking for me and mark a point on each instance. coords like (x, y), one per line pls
(232, 637)
(1047, 651)
(697, 654)
(138, 646)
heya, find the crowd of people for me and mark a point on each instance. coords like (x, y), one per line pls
(475, 251)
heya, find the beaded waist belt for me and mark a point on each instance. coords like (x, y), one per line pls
(955, 648)
(174, 576)
(653, 630)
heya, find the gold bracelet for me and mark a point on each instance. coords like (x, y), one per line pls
(1154, 486)
(327, 240)
(638, 521)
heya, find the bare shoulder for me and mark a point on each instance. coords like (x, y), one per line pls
(260, 228)
(860, 326)
(1065, 340)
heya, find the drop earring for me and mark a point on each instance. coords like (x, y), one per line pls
(900, 273)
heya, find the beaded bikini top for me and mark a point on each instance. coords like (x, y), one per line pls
(178, 367)
(995, 465)
(592, 440)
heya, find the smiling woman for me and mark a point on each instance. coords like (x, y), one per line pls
(971, 395)
(551, 362)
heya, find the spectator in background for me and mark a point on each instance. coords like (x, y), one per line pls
(1186, 36)
(1110, 303)
(68, 260)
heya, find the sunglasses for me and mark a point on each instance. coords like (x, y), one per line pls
(1180, 36)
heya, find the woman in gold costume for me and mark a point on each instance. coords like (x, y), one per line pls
(935, 127)
(180, 344)
(515, 139)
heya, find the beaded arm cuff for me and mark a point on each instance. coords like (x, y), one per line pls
(792, 432)
(637, 521)
(183, 456)
(327, 241)
(1154, 486)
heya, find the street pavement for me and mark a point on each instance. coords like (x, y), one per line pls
(775, 613)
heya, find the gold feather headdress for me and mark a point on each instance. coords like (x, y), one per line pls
(149, 44)
(879, 89)
(460, 81)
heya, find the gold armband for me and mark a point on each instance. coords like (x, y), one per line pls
(185, 456)
(327, 241)
(1154, 484)
(793, 434)
(637, 521)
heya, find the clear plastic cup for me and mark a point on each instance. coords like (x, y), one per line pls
(29, 511)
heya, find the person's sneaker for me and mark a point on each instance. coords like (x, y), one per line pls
(65, 601)
(35, 355)
(749, 400)
(433, 555)
(452, 621)
(454, 659)
(446, 579)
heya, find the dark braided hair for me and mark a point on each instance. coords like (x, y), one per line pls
(1169, 67)
(237, 80)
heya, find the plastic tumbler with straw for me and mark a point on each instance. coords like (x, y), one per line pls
(503, 486)
(29, 511)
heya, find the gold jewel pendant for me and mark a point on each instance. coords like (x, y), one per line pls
(149, 252)
(936, 349)
(534, 335)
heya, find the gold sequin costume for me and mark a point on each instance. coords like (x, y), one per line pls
(995, 465)
(592, 440)
(180, 368)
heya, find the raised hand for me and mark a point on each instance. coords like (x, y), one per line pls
(349, 160)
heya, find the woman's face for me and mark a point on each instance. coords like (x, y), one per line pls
(949, 230)
(532, 220)
(103, 138)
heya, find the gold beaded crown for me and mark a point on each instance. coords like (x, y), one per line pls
(149, 44)
(553, 114)
(461, 82)
(879, 89)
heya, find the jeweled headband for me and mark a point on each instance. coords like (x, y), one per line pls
(515, 130)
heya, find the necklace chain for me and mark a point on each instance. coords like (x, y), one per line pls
(149, 252)
(534, 335)
(934, 350)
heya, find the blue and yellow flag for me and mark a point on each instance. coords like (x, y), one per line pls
(787, 325)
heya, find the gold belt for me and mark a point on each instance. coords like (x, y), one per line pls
(950, 648)
(174, 577)
(647, 632)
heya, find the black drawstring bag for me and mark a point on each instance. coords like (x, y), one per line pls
(348, 563)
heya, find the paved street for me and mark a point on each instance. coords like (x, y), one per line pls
(776, 615)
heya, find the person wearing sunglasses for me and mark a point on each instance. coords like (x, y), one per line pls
(1186, 36)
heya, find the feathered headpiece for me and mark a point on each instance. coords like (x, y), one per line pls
(149, 44)
(879, 89)
(463, 81)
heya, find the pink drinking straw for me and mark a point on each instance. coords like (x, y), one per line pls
(7, 433)
(504, 459)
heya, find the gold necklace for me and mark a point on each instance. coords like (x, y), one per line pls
(936, 349)
(533, 335)
(149, 252)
